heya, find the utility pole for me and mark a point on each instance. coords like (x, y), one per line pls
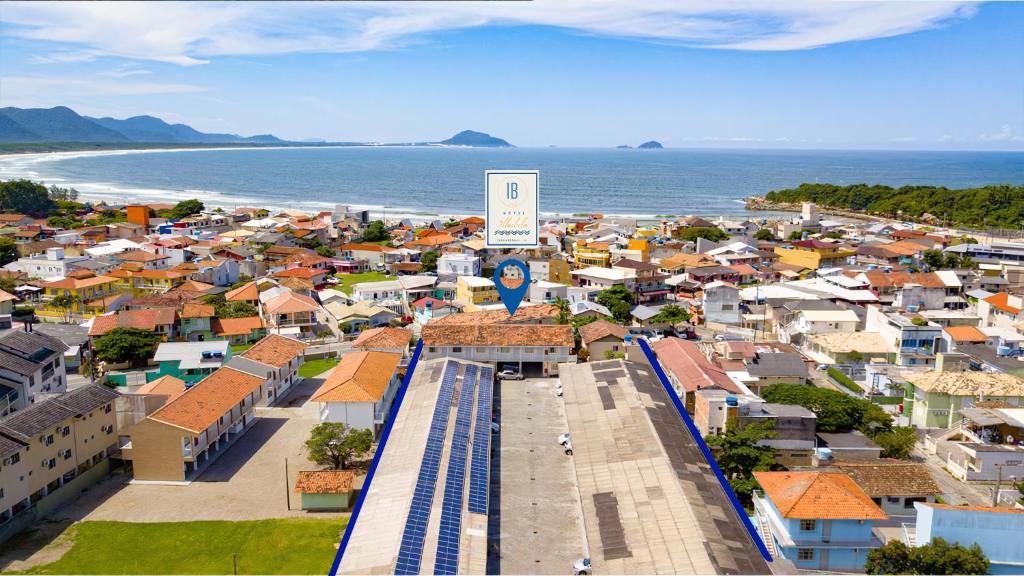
(287, 492)
(234, 564)
(999, 481)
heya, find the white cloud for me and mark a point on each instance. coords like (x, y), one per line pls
(1006, 133)
(29, 89)
(193, 33)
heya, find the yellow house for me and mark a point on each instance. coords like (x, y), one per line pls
(814, 254)
(595, 254)
(474, 291)
(141, 282)
(637, 249)
(90, 296)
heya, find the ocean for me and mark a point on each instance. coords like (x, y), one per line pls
(430, 181)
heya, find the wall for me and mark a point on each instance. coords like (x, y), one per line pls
(325, 501)
(156, 451)
(998, 534)
(358, 415)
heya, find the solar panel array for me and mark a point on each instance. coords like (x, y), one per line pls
(447, 561)
(479, 472)
(410, 553)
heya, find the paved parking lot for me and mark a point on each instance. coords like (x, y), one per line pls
(246, 483)
(541, 531)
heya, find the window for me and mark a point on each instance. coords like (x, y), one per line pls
(805, 554)
(46, 440)
(808, 525)
(14, 459)
(50, 464)
(457, 349)
(65, 431)
(65, 453)
(107, 408)
(893, 499)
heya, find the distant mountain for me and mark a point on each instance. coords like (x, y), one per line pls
(62, 124)
(651, 144)
(477, 139)
(624, 146)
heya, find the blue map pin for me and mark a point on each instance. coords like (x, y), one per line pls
(512, 297)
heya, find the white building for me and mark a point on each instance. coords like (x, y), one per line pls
(360, 390)
(31, 363)
(721, 303)
(458, 265)
(53, 264)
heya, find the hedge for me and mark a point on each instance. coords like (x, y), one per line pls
(843, 379)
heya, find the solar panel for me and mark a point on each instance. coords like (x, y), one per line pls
(447, 561)
(479, 473)
(410, 552)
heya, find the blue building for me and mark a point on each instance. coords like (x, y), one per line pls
(820, 521)
(999, 532)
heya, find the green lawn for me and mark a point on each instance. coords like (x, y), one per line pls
(239, 348)
(281, 546)
(345, 281)
(316, 367)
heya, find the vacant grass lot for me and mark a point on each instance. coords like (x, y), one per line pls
(314, 368)
(345, 281)
(283, 546)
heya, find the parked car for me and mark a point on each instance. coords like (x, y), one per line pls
(558, 390)
(495, 427)
(564, 439)
(510, 375)
(822, 367)
(581, 567)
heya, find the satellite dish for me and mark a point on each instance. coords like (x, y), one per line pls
(1009, 439)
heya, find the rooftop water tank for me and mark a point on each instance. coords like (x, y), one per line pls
(732, 401)
(1003, 351)
(825, 453)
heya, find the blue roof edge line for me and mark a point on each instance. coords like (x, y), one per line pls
(376, 458)
(704, 449)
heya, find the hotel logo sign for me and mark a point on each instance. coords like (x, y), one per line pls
(512, 200)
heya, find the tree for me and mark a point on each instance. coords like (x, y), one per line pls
(564, 313)
(66, 304)
(739, 455)
(613, 354)
(334, 444)
(376, 231)
(238, 309)
(325, 251)
(795, 235)
(934, 259)
(618, 300)
(936, 557)
(855, 357)
(764, 234)
(7, 284)
(8, 250)
(896, 443)
(836, 411)
(186, 208)
(132, 345)
(429, 261)
(24, 196)
(671, 314)
(712, 234)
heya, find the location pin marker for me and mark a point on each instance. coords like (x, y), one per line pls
(512, 297)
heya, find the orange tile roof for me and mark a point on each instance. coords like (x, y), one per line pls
(139, 256)
(525, 314)
(324, 481)
(70, 283)
(965, 334)
(297, 284)
(289, 302)
(147, 320)
(6, 296)
(435, 240)
(209, 399)
(196, 310)
(359, 377)
(299, 272)
(275, 350)
(1002, 302)
(818, 495)
(682, 260)
(236, 326)
(898, 279)
(690, 366)
(383, 337)
(601, 329)
(246, 292)
(498, 335)
(164, 386)
(366, 248)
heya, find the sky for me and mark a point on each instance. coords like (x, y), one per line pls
(702, 73)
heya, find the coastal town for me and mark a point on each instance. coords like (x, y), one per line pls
(860, 384)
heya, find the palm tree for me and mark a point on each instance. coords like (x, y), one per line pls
(564, 314)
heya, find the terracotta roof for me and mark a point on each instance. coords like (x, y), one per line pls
(818, 495)
(359, 377)
(164, 386)
(236, 326)
(383, 337)
(601, 329)
(524, 314)
(324, 481)
(965, 334)
(816, 244)
(690, 366)
(745, 269)
(435, 240)
(139, 256)
(885, 279)
(498, 335)
(297, 284)
(682, 260)
(434, 303)
(299, 272)
(1002, 302)
(275, 350)
(196, 310)
(366, 248)
(71, 283)
(247, 291)
(209, 399)
(147, 320)
(891, 478)
(6, 296)
(289, 302)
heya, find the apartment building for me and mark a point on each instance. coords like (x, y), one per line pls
(50, 447)
(275, 358)
(360, 390)
(31, 363)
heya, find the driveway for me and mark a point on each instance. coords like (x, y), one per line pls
(246, 483)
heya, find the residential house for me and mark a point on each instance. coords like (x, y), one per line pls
(542, 291)
(588, 309)
(31, 363)
(376, 255)
(276, 359)
(287, 312)
(178, 441)
(238, 331)
(88, 296)
(427, 308)
(689, 369)
(142, 281)
(360, 389)
(720, 304)
(196, 322)
(52, 450)
(820, 521)
(648, 283)
(1002, 310)
(532, 348)
(456, 264)
(894, 485)
(473, 292)
(847, 446)
(996, 530)
(352, 319)
(53, 264)
(603, 339)
(248, 293)
(814, 254)
(142, 258)
(385, 339)
(839, 347)
(592, 254)
(160, 321)
(190, 361)
(550, 269)
(937, 397)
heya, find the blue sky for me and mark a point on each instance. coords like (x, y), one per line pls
(748, 74)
